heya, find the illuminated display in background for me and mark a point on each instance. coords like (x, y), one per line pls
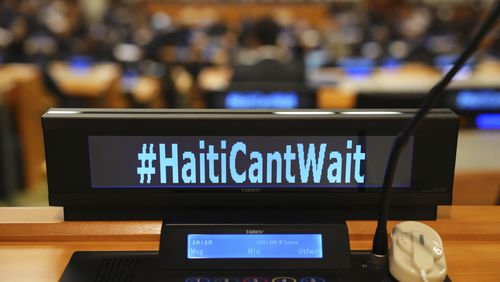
(261, 100)
(478, 100)
(445, 63)
(243, 161)
(392, 64)
(357, 67)
(129, 80)
(80, 65)
(488, 121)
(254, 246)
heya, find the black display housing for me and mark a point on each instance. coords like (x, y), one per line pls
(66, 134)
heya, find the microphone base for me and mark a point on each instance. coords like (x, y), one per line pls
(379, 261)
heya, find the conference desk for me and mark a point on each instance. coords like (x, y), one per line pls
(99, 84)
(335, 89)
(36, 244)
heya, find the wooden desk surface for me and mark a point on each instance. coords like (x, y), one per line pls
(36, 245)
(100, 84)
(91, 82)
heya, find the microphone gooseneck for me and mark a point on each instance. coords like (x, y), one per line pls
(379, 249)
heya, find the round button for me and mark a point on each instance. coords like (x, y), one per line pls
(284, 279)
(313, 279)
(197, 279)
(255, 279)
(226, 279)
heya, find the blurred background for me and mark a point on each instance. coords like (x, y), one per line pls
(242, 54)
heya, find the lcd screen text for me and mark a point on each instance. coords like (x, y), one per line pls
(246, 161)
(248, 246)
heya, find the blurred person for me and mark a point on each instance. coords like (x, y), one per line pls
(15, 21)
(266, 61)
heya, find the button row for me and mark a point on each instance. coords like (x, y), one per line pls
(255, 279)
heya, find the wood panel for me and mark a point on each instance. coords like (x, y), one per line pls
(483, 223)
(28, 99)
(31, 101)
(477, 188)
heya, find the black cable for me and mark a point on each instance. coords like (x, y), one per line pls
(435, 95)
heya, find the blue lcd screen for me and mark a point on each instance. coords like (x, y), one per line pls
(80, 65)
(262, 100)
(478, 100)
(214, 162)
(445, 62)
(488, 121)
(357, 67)
(254, 246)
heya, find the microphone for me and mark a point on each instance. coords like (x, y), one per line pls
(379, 248)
